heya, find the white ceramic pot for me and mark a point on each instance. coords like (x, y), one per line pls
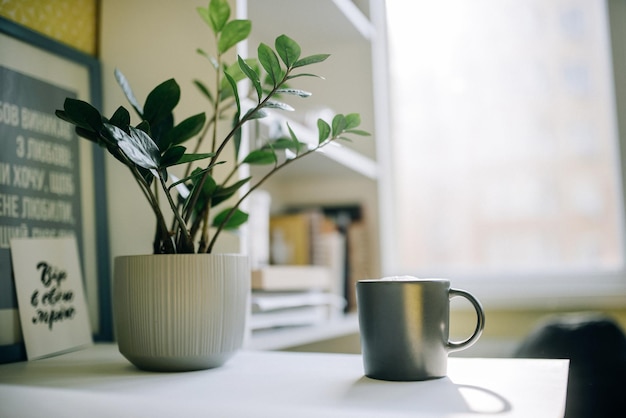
(180, 312)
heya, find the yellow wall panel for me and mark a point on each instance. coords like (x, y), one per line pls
(72, 22)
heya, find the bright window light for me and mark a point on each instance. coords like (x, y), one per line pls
(505, 148)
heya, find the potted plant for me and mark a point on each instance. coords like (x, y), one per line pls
(184, 307)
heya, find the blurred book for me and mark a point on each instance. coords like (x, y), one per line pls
(333, 256)
(331, 236)
(269, 301)
(299, 316)
(286, 309)
(291, 278)
(291, 238)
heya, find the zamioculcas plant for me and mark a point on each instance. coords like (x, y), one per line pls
(155, 144)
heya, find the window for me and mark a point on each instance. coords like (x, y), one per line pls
(505, 156)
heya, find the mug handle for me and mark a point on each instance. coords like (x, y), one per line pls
(480, 324)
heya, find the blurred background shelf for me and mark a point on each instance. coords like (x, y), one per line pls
(341, 332)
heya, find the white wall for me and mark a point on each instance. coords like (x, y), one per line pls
(150, 41)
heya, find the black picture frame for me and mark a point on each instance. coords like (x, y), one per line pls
(98, 234)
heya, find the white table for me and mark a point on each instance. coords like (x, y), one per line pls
(99, 382)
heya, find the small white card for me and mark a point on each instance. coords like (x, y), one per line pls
(50, 295)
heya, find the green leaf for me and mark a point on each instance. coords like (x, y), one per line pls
(236, 72)
(202, 52)
(204, 90)
(209, 186)
(204, 194)
(294, 92)
(287, 143)
(183, 131)
(358, 132)
(144, 126)
(232, 33)
(138, 146)
(89, 135)
(296, 144)
(258, 114)
(61, 114)
(311, 59)
(338, 125)
(128, 92)
(225, 89)
(147, 174)
(159, 108)
(237, 143)
(176, 156)
(269, 61)
(237, 115)
(81, 114)
(161, 101)
(187, 158)
(288, 50)
(184, 190)
(268, 84)
(221, 194)
(217, 14)
(260, 157)
(121, 118)
(352, 120)
(230, 221)
(292, 76)
(323, 129)
(278, 105)
(252, 75)
(292, 134)
(233, 86)
(171, 156)
(204, 14)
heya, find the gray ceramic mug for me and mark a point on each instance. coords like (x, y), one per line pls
(404, 325)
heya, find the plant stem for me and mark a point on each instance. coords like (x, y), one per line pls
(195, 194)
(227, 139)
(165, 237)
(187, 244)
(199, 142)
(256, 186)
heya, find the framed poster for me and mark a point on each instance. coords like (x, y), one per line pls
(51, 181)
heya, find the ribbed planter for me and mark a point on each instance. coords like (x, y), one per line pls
(180, 312)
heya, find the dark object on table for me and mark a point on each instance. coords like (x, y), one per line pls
(596, 348)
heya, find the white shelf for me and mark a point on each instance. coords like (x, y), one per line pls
(283, 338)
(336, 153)
(343, 29)
(356, 17)
(319, 20)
